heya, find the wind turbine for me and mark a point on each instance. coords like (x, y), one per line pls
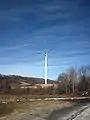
(45, 65)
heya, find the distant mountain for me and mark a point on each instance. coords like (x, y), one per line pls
(13, 81)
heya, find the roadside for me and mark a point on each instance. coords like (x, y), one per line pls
(38, 110)
(45, 110)
(70, 112)
(85, 115)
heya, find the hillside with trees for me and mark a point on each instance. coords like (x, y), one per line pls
(75, 82)
(9, 83)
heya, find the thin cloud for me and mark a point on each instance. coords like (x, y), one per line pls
(83, 42)
(61, 23)
(69, 57)
(16, 19)
(16, 47)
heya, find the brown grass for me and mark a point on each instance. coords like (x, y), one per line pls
(6, 108)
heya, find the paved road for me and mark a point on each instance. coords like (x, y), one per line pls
(85, 115)
(77, 112)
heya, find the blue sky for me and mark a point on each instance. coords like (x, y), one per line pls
(28, 27)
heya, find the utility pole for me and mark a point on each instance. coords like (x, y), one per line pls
(45, 68)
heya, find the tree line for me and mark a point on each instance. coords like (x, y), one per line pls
(75, 82)
(72, 82)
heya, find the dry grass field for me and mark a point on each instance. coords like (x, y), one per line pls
(33, 110)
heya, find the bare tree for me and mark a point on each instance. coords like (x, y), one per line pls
(63, 83)
(84, 83)
(67, 81)
(72, 76)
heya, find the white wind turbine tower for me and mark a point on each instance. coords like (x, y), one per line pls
(46, 65)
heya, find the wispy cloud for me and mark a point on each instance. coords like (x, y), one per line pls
(16, 47)
(76, 53)
(82, 42)
(59, 25)
(16, 19)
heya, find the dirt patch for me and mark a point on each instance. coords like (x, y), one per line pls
(6, 108)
